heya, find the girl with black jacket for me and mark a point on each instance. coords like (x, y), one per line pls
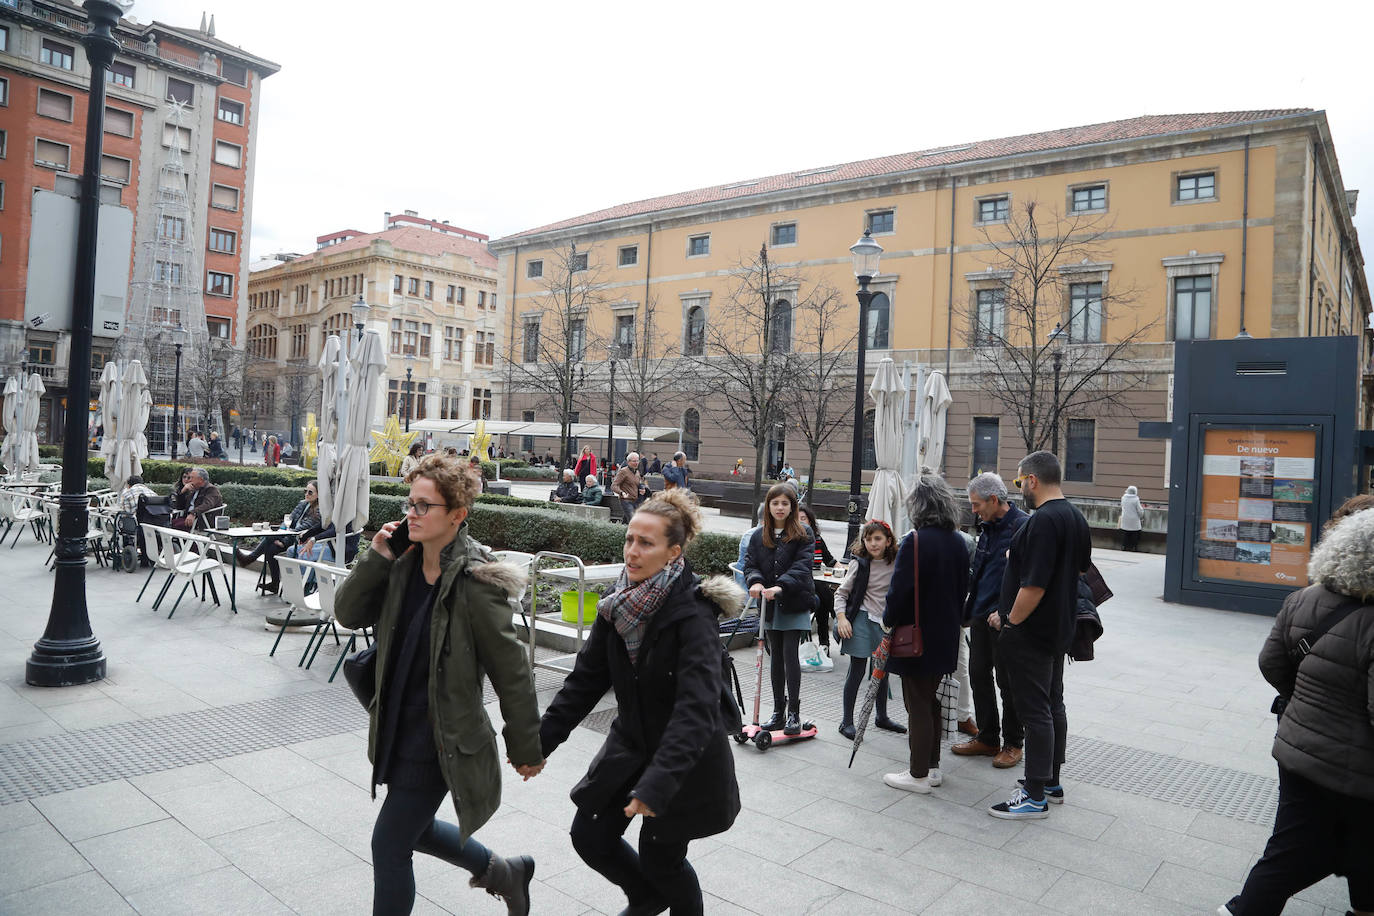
(777, 566)
(863, 598)
(655, 642)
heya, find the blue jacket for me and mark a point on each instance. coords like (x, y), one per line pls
(989, 562)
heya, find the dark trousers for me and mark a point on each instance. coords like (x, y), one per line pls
(825, 609)
(1317, 832)
(405, 825)
(1037, 689)
(658, 873)
(784, 669)
(269, 548)
(1130, 540)
(921, 695)
(988, 677)
(859, 669)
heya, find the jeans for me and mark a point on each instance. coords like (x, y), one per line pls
(1037, 689)
(921, 694)
(1317, 832)
(405, 825)
(785, 669)
(658, 873)
(983, 665)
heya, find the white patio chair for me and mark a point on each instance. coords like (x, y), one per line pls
(328, 578)
(305, 609)
(196, 558)
(27, 511)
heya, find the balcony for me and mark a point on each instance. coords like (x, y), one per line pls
(77, 25)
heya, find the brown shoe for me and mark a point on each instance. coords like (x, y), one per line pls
(969, 728)
(975, 748)
(1007, 758)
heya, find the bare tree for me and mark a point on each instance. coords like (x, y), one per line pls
(824, 399)
(213, 384)
(555, 335)
(300, 392)
(1044, 295)
(645, 374)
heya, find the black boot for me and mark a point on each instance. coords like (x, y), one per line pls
(847, 730)
(793, 725)
(774, 723)
(508, 879)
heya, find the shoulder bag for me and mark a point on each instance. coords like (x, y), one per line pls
(906, 639)
(360, 671)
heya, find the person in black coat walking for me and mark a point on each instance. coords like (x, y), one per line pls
(655, 642)
(943, 574)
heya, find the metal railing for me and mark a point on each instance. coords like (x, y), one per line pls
(77, 24)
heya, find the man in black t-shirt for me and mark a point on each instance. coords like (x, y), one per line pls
(1036, 619)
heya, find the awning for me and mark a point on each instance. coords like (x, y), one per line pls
(549, 430)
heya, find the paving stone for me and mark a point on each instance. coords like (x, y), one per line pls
(273, 768)
(1078, 894)
(86, 894)
(1191, 887)
(1180, 849)
(868, 829)
(849, 903)
(1126, 869)
(773, 839)
(880, 877)
(957, 820)
(220, 808)
(281, 852)
(84, 813)
(964, 899)
(1022, 879)
(150, 855)
(760, 885)
(37, 854)
(222, 892)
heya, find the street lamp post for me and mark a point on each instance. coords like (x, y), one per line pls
(1057, 354)
(866, 256)
(410, 361)
(360, 310)
(610, 412)
(68, 652)
(178, 335)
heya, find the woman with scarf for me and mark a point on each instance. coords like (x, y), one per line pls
(656, 643)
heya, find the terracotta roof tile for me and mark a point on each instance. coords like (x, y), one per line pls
(419, 241)
(1129, 129)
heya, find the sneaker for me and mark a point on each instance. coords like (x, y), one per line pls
(935, 777)
(909, 783)
(1020, 807)
(1053, 793)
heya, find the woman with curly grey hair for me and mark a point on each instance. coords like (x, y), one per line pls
(1325, 741)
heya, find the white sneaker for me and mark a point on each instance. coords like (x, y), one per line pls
(935, 777)
(908, 783)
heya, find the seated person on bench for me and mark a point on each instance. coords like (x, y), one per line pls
(567, 491)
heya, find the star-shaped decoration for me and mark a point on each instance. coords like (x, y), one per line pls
(481, 439)
(391, 445)
(310, 437)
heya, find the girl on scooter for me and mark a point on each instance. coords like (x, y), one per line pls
(859, 605)
(777, 567)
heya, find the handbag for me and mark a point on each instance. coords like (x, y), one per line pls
(360, 671)
(906, 639)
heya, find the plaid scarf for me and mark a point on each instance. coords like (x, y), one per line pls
(630, 607)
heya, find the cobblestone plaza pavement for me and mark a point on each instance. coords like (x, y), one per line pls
(202, 776)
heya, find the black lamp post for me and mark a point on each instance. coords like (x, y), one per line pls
(610, 411)
(360, 310)
(68, 652)
(1057, 354)
(410, 361)
(178, 336)
(866, 255)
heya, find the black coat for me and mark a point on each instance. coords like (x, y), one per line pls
(789, 564)
(668, 745)
(944, 584)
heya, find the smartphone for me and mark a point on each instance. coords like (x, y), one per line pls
(399, 542)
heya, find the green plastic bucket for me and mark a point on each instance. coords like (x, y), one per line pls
(589, 600)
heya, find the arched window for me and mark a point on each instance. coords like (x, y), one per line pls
(694, 341)
(780, 327)
(879, 318)
(870, 453)
(691, 433)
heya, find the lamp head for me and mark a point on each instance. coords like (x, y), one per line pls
(360, 310)
(178, 336)
(1057, 336)
(866, 254)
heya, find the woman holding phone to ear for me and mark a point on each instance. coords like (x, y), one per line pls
(442, 617)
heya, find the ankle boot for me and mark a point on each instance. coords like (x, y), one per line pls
(793, 724)
(508, 879)
(774, 723)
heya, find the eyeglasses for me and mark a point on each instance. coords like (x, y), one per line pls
(1019, 478)
(421, 508)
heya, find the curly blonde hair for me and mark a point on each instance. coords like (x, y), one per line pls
(453, 479)
(680, 513)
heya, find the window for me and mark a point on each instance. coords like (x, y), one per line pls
(337, 325)
(412, 286)
(41, 353)
(262, 342)
(785, 234)
(449, 295)
(990, 317)
(462, 294)
(300, 341)
(4, 38)
(1078, 451)
(453, 344)
(530, 342)
(167, 272)
(1192, 308)
(527, 442)
(429, 289)
(694, 335)
(53, 155)
(534, 269)
(994, 209)
(481, 298)
(426, 335)
(176, 136)
(396, 281)
(223, 241)
(180, 91)
(624, 336)
(4, 138)
(691, 434)
(577, 339)
(628, 256)
(234, 73)
(481, 403)
(780, 327)
(395, 335)
(1085, 312)
(119, 122)
(1088, 198)
(450, 402)
(986, 433)
(881, 221)
(230, 111)
(698, 246)
(577, 263)
(224, 197)
(230, 154)
(219, 284)
(2, 195)
(218, 328)
(411, 340)
(484, 351)
(879, 315)
(114, 168)
(56, 54)
(121, 74)
(5, 91)
(1201, 186)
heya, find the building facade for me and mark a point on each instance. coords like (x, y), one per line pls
(432, 291)
(169, 89)
(1180, 226)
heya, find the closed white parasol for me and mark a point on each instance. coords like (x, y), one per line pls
(886, 495)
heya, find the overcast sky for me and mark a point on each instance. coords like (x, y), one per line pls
(505, 116)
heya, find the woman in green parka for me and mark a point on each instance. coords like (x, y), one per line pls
(443, 620)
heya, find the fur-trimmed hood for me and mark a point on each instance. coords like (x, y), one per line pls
(1343, 560)
(724, 593)
(501, 573)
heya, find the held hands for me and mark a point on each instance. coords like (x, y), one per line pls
(843, 626)
(638, 807)
(528, 770)
(381, 541)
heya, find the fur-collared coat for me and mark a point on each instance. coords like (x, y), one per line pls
(667, 746)
(1326, 734)
(470, 635)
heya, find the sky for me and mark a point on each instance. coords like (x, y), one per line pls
(504, 116)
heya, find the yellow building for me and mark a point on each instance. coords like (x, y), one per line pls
(1190, 226)
(432, 291)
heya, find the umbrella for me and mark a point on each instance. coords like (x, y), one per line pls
(23, 455)
(876, 683)
(935, 401)
(365, 366)
(129, 446)
(325, 463)
(14, 418)
(109, 411)
(887, 493)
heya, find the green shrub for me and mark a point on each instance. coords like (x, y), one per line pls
(250, 503)
(49, 451)
(531, 473)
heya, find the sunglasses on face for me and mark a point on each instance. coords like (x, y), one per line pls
(1019, 478)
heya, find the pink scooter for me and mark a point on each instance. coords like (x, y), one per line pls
(763, 738)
